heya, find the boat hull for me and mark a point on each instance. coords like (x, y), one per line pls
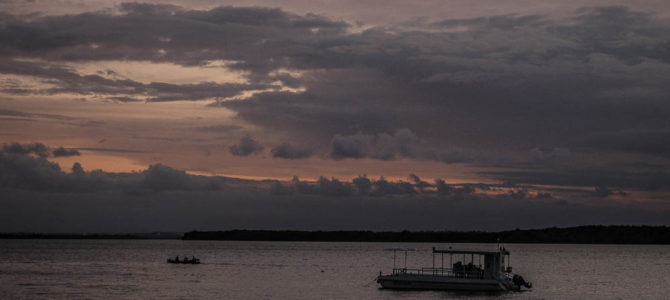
(187, 262)
(423, 282)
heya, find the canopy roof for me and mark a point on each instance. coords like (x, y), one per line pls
(400, 249)
(478, 252)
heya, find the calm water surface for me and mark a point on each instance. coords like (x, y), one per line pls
(118, 269)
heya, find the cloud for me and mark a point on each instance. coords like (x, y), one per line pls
(161, 177)
(353, 146)
(246, 146)
(38, 149)
(13, 113)
(635, 140)
(23, 171)
(472, 90)
(383, 187)
(161, 198)
(333, 187)
(625, 176)
(62, 152)
(64, 80)
(110, 149)
(363, 185)
(543, 154)
(235, 207)
(418, 183)
(218, 128)
(403, 144)
(288, 151)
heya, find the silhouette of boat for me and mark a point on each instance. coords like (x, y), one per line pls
(192, 261)
(466, 272)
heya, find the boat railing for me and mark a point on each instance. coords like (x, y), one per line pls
(447, 272)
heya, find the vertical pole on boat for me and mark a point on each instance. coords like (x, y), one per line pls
(405, 259)
(433, 260)
(394, 259)
(442, 269)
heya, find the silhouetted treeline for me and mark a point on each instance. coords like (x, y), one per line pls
(573, 235)
(91, 236)
(69, 236)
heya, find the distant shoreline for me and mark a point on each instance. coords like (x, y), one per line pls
(92, 236)
(594, 234)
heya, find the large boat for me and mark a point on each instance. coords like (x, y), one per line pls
(465, 272)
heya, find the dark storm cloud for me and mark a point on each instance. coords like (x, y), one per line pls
(353, 146)
(288, 151)
(360, 185)
(111, 149)
(124, 99)
(160, 177)
(21, 171)
(595, 176)
(200, 91)
(63, 152)
(68, 81)
(524, 79)
(471, 88)
(38, 149)
(246, 146)
(542, 154)
(163, 198)
(641, 140)
(418, 183)
(211, 210)
(323, 187)
(16, 113)
(143, 29)
(403, 143)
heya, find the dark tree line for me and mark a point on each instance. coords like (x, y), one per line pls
(594, 234)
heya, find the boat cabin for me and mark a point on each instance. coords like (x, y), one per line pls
(459, 263)
(472, 263)
(472, 270)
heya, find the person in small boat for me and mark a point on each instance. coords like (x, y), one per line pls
(177, 258)
(458, 269)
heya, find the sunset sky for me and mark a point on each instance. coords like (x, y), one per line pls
(183, 115)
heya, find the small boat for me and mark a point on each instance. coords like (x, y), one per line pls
(465, 272)
(192, 261)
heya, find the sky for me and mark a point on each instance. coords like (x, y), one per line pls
(378, 115)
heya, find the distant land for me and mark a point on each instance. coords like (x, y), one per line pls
(595, 234)
(93, 236)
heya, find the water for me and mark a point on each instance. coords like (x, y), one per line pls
(120, 269)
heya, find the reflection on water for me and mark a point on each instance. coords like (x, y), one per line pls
(78, 269)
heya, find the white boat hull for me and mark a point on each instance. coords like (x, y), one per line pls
(426, 282)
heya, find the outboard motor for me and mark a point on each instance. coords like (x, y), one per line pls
(519, 281)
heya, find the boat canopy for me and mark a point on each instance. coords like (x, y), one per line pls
(400, 249)
(477, 252)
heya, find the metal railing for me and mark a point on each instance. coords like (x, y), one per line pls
(447, 272)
